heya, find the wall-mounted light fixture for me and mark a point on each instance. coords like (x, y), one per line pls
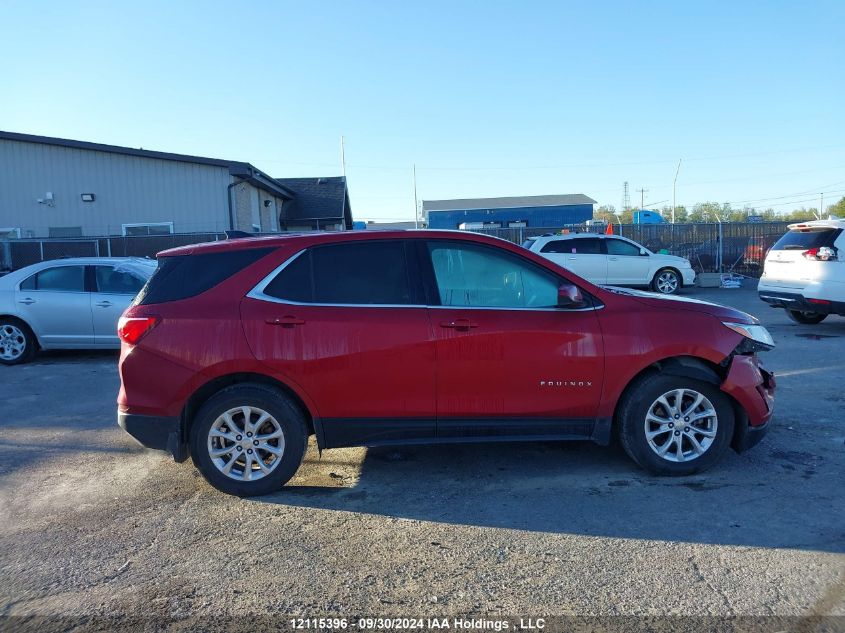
(267, 203)
(88, 197)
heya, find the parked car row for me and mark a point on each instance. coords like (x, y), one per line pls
(234, 352)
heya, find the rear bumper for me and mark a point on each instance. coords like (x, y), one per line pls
(797, 301)
(156, 432)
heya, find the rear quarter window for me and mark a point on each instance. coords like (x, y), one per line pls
(185, 276)
(803, 240)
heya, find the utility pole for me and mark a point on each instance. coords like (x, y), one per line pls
(626, 199)
(821, 208)
(416, 204)
(674, 182)
(642, 197)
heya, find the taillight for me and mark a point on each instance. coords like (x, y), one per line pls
(821, 254)
(133, 329)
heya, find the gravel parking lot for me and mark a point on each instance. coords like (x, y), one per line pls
(94, 525)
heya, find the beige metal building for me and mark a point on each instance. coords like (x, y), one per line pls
(51, 187)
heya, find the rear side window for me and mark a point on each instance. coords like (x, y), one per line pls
(359, 273)
(58, 279)
(185, 276)
(113, 281)
(582, 246)
(803, 240)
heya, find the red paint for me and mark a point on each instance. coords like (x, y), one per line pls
(382, 362)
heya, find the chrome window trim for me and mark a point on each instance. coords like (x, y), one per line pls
(258, 293)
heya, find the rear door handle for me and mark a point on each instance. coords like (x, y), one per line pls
(286, 321)
(27, 301)
(459, 324)
(104, 304)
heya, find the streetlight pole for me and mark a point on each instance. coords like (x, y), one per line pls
(416, 204)
(674, 182)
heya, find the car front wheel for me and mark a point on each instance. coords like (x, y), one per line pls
(248, 440)
(805, 318)
(667, 282)
(672, 425)
(17, 343)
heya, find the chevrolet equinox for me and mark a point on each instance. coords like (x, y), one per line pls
(235, 352)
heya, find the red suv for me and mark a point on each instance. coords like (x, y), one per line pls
(236, 351)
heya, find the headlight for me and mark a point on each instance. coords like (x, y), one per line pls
(756, 333)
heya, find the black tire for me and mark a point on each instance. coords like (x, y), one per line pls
(17, 329)
(667, 281)
(272, 401)
(636, 403)
(805, 318)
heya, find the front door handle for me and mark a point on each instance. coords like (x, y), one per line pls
(613, 259)
(104, 304)
(286, 321)
(459, 324)
(27, 301)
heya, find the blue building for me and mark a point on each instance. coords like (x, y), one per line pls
(517, 212)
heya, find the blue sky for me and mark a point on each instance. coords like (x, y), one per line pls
(487, 98)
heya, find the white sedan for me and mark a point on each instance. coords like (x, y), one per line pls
(67, 304)
(614, 261)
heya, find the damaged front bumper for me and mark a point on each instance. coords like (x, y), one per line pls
(753, 389)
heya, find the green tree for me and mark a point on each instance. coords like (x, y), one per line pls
(836, 210)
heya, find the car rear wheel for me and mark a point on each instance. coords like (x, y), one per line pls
(248, 440)
(17, 343)
(666, 282)
(805, 318)
(672, 425)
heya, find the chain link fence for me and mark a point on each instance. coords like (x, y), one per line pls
(738, 247)
(710, 247)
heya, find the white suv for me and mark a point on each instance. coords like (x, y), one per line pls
(615, 261)
(804, 271)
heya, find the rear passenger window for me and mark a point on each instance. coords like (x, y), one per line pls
(581, 246)
(359, 273)
(58, 279)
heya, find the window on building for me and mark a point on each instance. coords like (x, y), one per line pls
(474, 276)
(361, 273)
(65, 231)
(148, 228)
(57, 279)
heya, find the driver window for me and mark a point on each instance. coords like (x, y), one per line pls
(476, 276)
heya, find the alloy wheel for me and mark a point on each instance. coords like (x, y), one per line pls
(246, 443)
(667, 282)
(12, 342)
(681, 425)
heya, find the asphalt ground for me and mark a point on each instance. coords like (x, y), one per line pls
(93, 526)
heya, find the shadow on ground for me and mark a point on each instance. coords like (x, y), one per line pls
(775, 497)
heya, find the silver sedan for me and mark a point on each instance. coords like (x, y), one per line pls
(67, 304)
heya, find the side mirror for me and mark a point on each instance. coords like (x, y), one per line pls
(569, 296)
(643, 251)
